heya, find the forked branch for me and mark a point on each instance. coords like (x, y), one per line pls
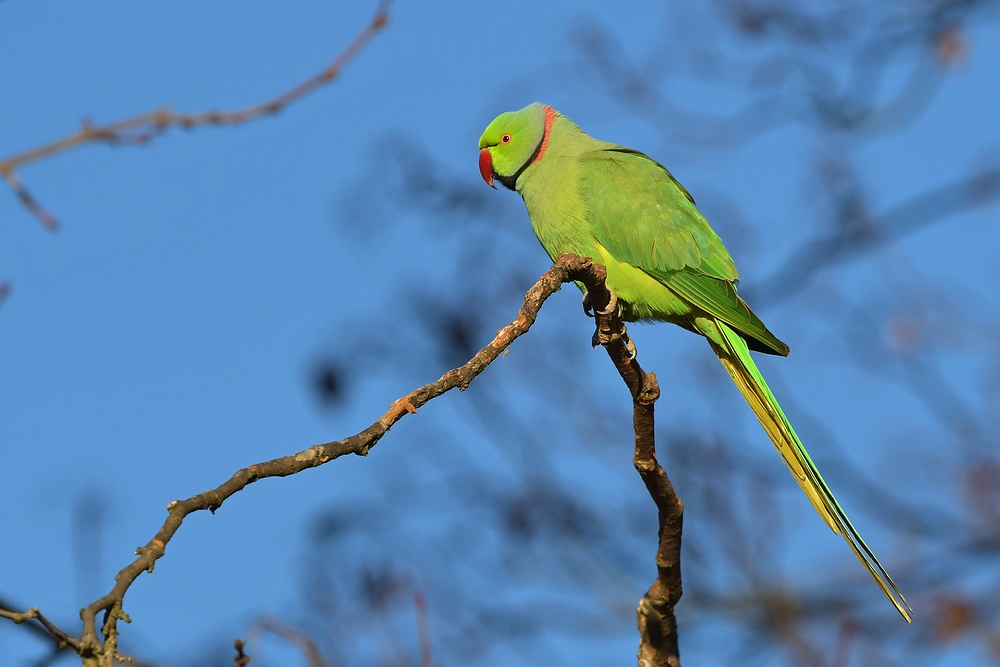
(62, 639)
(657, 626)
(97, 646)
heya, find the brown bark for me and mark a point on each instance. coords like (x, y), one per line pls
(657, 624)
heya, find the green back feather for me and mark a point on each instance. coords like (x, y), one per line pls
(644, 217)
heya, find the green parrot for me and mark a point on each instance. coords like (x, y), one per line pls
(664, 263)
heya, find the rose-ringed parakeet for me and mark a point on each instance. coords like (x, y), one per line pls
(664, 262)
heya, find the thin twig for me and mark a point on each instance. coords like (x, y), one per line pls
(28, 200)
(4, 291)
(292, 636)
(143, 128)
(62, 639)
(97, 653)
(423, 630)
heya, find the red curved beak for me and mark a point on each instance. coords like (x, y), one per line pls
(486, 167)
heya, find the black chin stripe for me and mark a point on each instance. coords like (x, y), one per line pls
(510, 182)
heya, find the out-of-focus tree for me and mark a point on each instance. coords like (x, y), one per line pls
(526, 472)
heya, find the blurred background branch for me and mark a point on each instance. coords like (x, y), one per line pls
(286, 632)
(818, 91)
(33, 621)
(141, 129)
(4, 291)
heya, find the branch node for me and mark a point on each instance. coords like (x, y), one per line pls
(241, 658)
(304, 457)
(650, 390)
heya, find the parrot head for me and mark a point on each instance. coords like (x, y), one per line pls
(513, 141)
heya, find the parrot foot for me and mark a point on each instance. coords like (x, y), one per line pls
(613, 308)
(596, 341)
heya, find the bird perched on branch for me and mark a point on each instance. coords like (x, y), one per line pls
(664, 263)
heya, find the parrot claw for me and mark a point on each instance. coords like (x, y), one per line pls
(613, 308)
(632, 352)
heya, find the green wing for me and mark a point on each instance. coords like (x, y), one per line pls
(643, 216)
(719, 298)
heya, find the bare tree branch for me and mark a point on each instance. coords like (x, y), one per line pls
(423, 630)
(657, 624)
(62, 639)
(853, 240)
(98, 653)
(143, 128)
(27, 199)
(291, 635)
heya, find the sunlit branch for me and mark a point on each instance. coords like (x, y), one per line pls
(99, 651)
(62, 639)
(658, 646)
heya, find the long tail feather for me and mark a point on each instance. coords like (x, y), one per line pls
(735, 357)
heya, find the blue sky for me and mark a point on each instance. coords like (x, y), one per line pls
(162, 339)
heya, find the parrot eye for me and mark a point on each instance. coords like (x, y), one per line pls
(505, 139)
